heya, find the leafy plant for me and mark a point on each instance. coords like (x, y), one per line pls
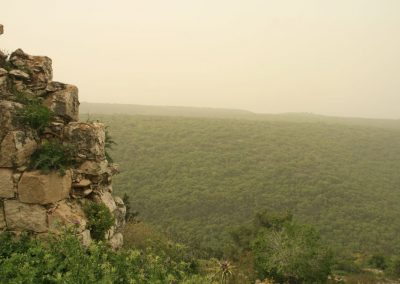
(377, 261)
(292, 254)
(34, 115)
(63, 259)
(100, 219)
(223, 272)
(52, 155)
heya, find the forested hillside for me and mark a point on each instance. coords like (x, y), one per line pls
(196, 178)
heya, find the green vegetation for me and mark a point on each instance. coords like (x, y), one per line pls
(291, 254)
(33, 114)
(52, 155)
(64, 260)
(196, 178)
(100, 219)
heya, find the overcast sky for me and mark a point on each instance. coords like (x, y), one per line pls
(338, 57)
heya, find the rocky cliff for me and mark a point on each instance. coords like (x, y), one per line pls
(51, 165)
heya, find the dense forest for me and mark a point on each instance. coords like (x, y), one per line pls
(198, 179)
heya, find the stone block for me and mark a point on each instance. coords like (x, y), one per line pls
(67, 213)
(120, 212)
(93, 168)
(8, 123)
(38, 67)
(16, 148)
(6, 183)
(35, 187)
(116, 241)
(85, 238)
(64, 102)
(87, 138)
(25, 217)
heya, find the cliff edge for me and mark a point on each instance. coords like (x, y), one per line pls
(51, 165)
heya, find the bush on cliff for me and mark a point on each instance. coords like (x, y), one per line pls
(52, 155)
(35, 115)
(100, 219)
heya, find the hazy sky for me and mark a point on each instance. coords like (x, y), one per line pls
(335, 57)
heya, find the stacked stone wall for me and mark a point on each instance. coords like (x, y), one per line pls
(47, 201)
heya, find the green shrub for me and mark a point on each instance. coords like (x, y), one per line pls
(63, 259)
(52, 156)
(293, 254)
(34, 115)
(100, 219)
(394, 267)
(377, 261)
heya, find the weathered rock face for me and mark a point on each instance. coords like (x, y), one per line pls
(42, 202)
(67, 213)
(21, 216)
(64, 102)
(117, 241)
(16, 148)
(6, 183)
(39, 67)
(3, 79)
(88, 139)
(8, 122)
(38, 188)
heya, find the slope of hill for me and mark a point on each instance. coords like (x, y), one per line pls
(197, 177)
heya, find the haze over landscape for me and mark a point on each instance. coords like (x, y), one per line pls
(221, 142)
(328, 57)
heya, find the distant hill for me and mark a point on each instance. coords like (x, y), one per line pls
(99, 108)
(102, 108)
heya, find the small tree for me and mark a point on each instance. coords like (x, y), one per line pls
(291, 254)
(377, 261)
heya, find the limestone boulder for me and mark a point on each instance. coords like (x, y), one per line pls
(8, 122)
(88, 139)
(67, 213)
(38, 67)
(6, 183)
(64, 102)
(93, 168)
(25, 217)
(116, 241)
(120, 212)
(85, 238)
(35, 187)
(16, 148)
(19, 75)
(3, 82)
